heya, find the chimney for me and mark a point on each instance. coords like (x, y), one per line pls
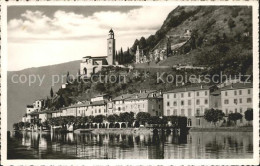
(160, 92)
(140, 91)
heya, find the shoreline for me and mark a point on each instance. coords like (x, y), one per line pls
(126, 131)
(222, 129)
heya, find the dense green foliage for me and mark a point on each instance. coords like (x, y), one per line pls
(213, 115)
(235, 116)
(249, 114)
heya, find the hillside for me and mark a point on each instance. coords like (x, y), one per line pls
(212, 29)
(21, 94)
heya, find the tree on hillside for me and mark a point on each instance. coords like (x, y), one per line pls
(15, 126)
(143, 117)
(51, 93)
(249, 114)
(142, 43)
(213, 115)
(21, 125)
(231, 23)
(68, 78)
(235, 116)
(134, 47)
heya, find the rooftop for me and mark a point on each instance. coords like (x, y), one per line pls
(95, 57)
(237, 86)
(144, 95)
(122, 97)
(190, 88)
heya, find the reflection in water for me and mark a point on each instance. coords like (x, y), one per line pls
(162, 146)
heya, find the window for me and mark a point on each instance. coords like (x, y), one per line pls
(198, 93)
(197, 101)
(235, 101)
(175, 103)
(235, 110)
(248, 91)
(168, 103)
(119, 108)
(167, 96)
(182, 102)
(174, 95)
(226, 111)
(198, 111)
(175, 112)
(206, 101)
(159, 106)
(189, 94)
(99, 110)
(168, 112)
(241, 111)
(182, 112)
(181, 94)
(189, 102)
(235, 92)
(226, 101)
(189, 112)
(240, 92)
(240, 100)
(249, 100)
(226, 93)
(206, 93)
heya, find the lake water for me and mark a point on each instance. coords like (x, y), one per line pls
(195, 145)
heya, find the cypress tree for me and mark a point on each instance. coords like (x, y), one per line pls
(51, 93)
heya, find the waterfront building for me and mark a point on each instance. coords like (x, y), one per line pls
(146, 101)
(237, 97)
(191, 101)
(119, 105)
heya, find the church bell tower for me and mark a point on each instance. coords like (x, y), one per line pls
(111, 47)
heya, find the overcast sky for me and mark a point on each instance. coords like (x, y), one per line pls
(40, 36)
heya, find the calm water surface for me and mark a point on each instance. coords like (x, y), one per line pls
(109, 146)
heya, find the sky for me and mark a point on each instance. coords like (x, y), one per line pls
(46, 35)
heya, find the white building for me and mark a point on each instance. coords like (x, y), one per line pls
(191, 101)
(146, 101)
(237, 97)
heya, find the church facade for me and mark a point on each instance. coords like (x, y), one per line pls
(92, 64)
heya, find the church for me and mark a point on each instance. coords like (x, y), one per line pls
(92, 64)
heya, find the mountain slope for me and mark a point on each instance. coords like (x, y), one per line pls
(21, 94)
(211, 27)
